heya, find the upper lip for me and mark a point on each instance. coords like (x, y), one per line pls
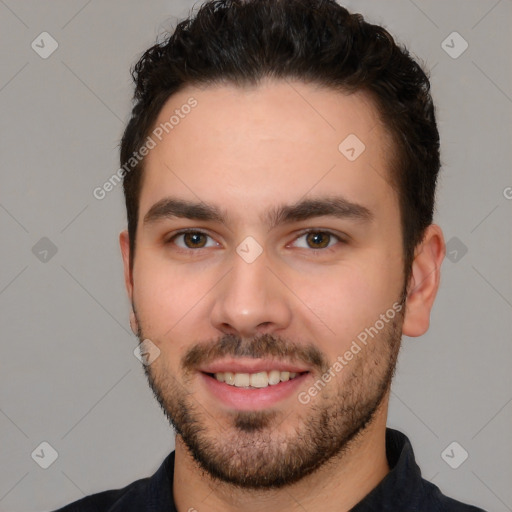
(251, 366)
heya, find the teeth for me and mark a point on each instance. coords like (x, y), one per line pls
(242, 380)
(255, 380)
(274, 377)
(259, 380)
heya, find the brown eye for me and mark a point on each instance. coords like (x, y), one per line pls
(194, 240)
(318, 239)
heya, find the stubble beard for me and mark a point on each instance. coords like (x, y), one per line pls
(270, 449)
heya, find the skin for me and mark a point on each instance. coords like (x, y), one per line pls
(248, 151)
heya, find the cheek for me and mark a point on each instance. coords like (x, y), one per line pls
(349, 300)
(168, 299)
(340, 307)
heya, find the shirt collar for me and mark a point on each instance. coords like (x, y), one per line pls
(403, 487)
(400, 489)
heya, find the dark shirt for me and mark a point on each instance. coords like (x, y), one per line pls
(402, 489)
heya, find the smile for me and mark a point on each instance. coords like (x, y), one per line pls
(255, 380)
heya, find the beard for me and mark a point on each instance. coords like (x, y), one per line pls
(269, 449)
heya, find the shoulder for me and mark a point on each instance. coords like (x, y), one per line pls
(404, 488)
(140, 496)
(107, 501)
(438, 502)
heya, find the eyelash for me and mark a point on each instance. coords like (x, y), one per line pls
(302, 233)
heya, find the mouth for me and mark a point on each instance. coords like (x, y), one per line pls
(254, 390)
(257, 380)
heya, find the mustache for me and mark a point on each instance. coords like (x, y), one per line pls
(263, 346)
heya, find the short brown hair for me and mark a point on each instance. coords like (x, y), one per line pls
(316, 41)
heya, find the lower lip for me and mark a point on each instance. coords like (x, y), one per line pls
(252, 399)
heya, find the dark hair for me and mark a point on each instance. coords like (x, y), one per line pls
(315, 41)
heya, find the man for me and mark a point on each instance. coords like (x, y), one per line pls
(279, 172)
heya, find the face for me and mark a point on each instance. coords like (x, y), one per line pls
(268, 248)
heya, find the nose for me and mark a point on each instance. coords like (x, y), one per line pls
(251, 300)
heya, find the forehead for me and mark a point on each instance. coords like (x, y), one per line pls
(259, 145)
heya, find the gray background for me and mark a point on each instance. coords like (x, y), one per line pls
(68, 375)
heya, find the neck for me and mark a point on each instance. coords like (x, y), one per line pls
(338, 485)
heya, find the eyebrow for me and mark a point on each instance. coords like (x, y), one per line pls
(332, 206)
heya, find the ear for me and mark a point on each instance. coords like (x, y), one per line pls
(124, 242)
(424, 282)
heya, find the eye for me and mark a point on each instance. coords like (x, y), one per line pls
(316, 239)
(190, 239)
